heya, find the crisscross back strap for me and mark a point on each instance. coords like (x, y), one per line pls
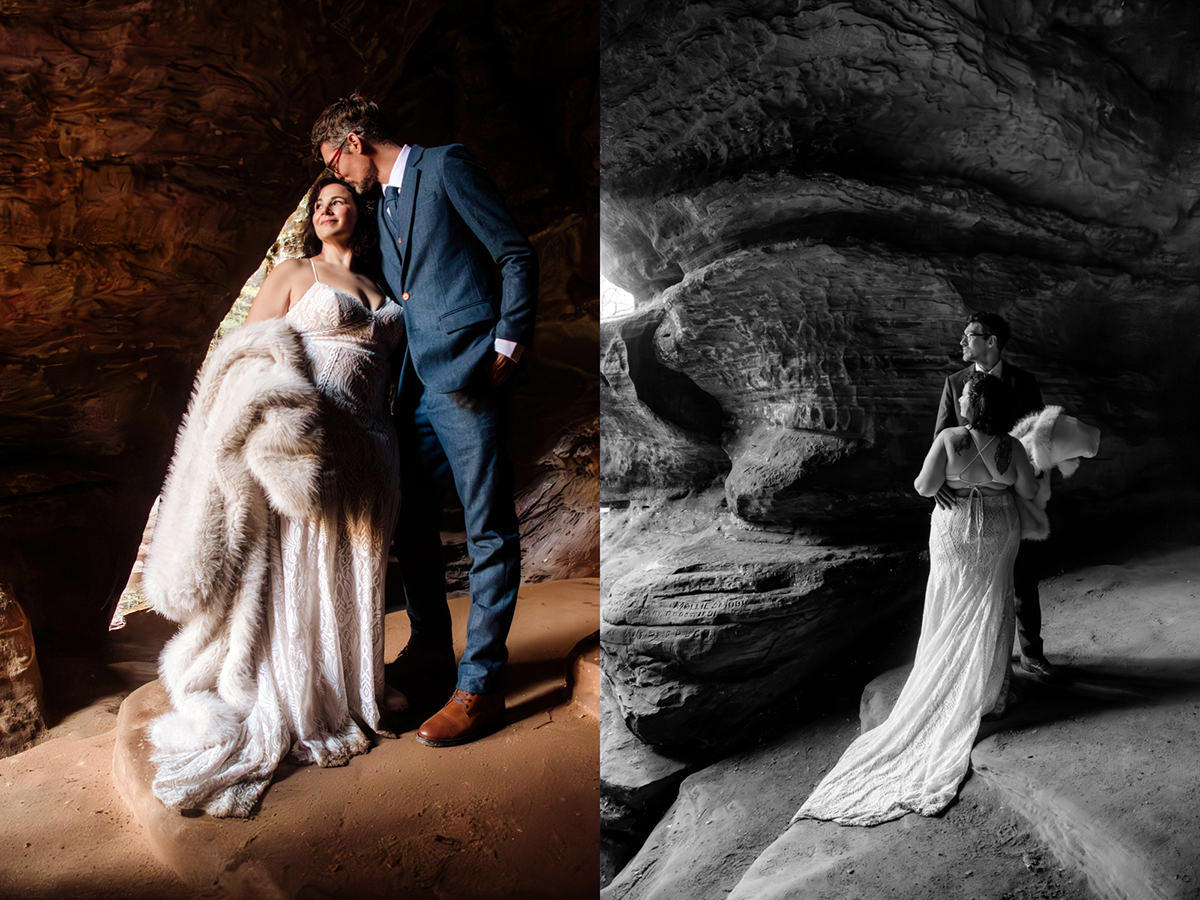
(993, 475)
(979, 456)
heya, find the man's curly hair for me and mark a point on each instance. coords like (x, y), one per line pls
(354, 113)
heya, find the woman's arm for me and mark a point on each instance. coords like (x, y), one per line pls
(1026, 483)
(274, 297)
(933, 470)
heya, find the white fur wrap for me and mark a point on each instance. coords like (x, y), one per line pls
(1053, 440)
(250, 443)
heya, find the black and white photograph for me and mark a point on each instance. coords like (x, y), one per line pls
(899, 377)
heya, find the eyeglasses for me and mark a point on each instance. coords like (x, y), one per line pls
(332, 166)
(967, 335)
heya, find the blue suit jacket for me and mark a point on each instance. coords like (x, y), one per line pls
(441, 239)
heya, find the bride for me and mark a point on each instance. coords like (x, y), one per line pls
(271, 542)
(915, 760)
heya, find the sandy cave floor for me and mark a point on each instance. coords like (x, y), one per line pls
(1088, 789)
(514, 814)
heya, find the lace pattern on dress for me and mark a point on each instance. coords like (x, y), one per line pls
(915, 760)
(321, 669)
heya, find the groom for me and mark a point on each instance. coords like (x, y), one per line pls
(443, 233)
(982, 343)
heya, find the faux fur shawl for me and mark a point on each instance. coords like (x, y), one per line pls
(250, 443)
(1053, 440)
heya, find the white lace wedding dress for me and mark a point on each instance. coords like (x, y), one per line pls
(321, 672)
(916, 759)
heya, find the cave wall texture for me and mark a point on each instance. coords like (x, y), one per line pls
(151, 152)
(806, 199)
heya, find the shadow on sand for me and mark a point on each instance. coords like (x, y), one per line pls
(1086, 688)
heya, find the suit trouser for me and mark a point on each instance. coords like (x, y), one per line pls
(458, 440)
(1027, 572)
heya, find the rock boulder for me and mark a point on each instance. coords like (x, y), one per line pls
(705, 632)
(21, 718)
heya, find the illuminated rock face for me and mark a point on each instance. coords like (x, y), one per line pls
(151, 156)
(807, 201)
(21, 718)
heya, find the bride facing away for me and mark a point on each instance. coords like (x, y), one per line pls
(915, 760)
(271, 542)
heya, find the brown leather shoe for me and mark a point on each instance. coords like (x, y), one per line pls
(463, 719)
(425, 673)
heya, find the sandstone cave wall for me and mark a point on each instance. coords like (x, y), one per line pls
(806, 203)
(151, 153)
(806, 200)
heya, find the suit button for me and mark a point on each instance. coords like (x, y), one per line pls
(404, 296)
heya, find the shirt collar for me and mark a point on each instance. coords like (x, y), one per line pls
(396, 176)
(994, 370)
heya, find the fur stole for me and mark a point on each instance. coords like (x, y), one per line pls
(1053, 440)
(249, 446)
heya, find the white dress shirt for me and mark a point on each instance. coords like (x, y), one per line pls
(396, 176)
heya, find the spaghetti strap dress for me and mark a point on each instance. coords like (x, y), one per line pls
(321, 668)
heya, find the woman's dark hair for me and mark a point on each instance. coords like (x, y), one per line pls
(364, 242)
(989, 406)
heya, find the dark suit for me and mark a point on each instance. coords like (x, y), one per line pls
(1027, 397)
(442, 238)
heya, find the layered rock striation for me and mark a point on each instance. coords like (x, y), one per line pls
(152, 154)
(806, 201)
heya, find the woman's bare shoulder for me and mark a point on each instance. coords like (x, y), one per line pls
(275, 295)
(290, 266)
(286, 271)
(954, 435)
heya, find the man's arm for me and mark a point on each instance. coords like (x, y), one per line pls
(1026, 393)
(1026, 485)
(478, 202)
(1035, 394)
(945, 414)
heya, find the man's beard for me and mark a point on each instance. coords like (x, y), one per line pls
(370, 180)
